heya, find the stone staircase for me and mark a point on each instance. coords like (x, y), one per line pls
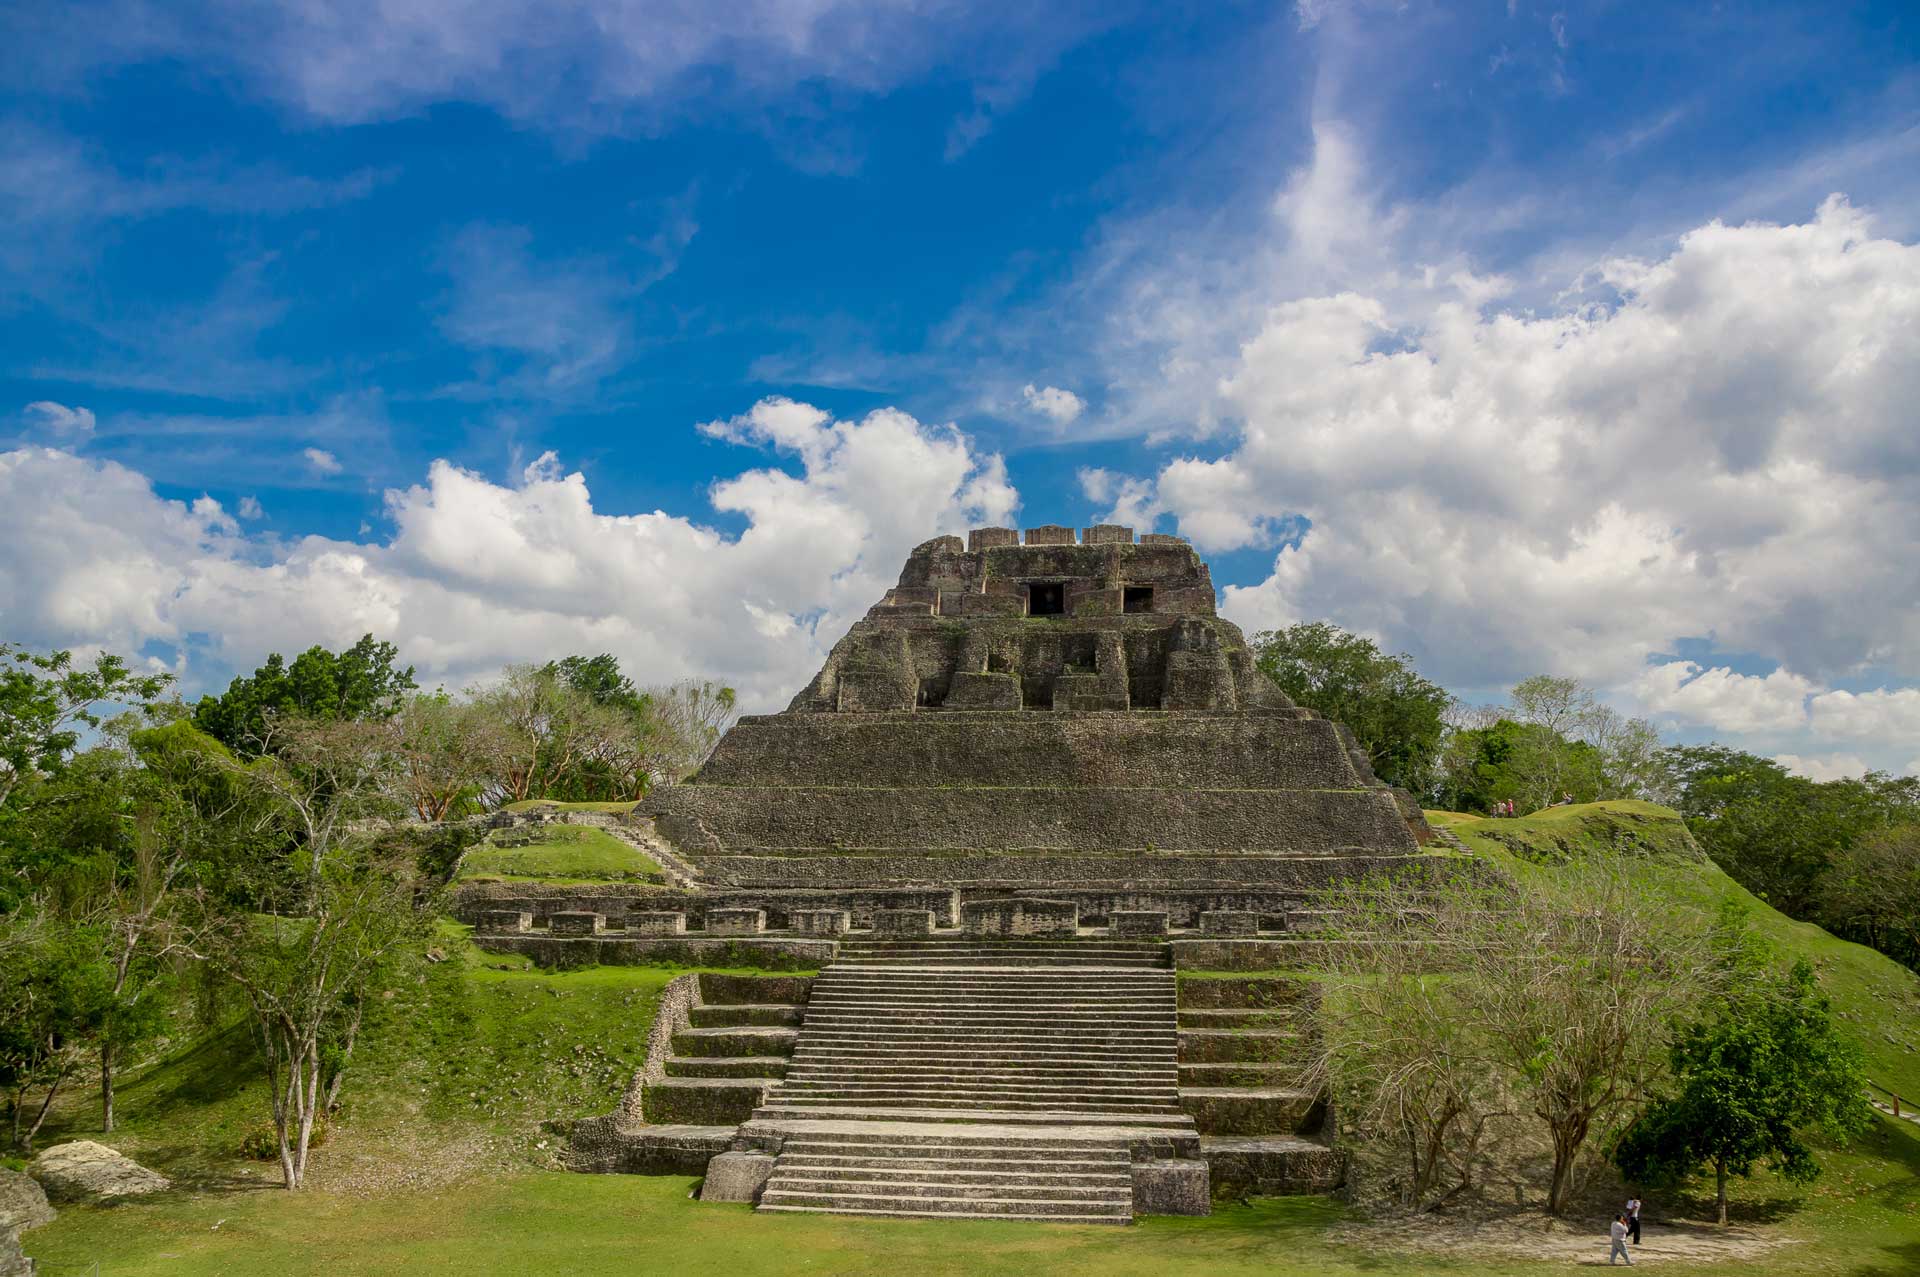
(973, 1077)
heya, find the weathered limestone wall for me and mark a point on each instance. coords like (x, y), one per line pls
(1166, 751)
(1294, 821)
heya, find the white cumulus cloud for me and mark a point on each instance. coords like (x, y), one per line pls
(1058, 406)
(322, 461)
(478, 574)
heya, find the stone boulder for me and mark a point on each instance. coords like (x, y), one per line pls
(23, 1203)
(13, 1260)
(85, 1171)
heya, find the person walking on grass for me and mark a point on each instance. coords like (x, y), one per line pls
(1619, 1248)
(1633, 1219)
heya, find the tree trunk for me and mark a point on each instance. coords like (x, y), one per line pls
(53, 1088)
(1720, 1173)
(106, 1087)
(1564, 1148)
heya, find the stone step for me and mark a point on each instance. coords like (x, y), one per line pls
(870, 1161)
(1174, 1123)
(982, 1090)
(889, 1017)
(702, 1101)
(842, 1201)
(1221, 1046)
(1235, 1073)
(734, 1041)
(1065, 1076)
(722, 1017)
(935, 1210)
(1004, 1105)
(933, 1140)
(1212, 1018)
(1108, 1189)
(1112, 1056)
(1271, 1110)
(836, 995)
(766, 1066)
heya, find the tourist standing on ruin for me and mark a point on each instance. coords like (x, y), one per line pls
(1619, 1248)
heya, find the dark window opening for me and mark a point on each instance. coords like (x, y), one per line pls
(1046, 598)
(1137, 598)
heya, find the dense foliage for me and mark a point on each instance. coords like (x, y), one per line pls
(1842, 853)
(280, 848)
(1758, 1066)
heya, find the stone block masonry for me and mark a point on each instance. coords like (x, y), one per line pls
(653, 923)
(1229, 922)
(820, 922)
(1138, 922)
(903, 922)
(736, 922)
(571, 923)
(1020, 917)
(506, 920)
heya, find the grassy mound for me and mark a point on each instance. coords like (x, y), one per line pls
(557, 854)
(1875, 996)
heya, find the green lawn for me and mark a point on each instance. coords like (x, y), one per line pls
(560, 854)
(1862, 1220)
(548, 804)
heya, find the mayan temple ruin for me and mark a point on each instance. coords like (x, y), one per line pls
(1027, 823)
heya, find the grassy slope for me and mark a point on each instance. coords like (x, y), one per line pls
(560, 854)
(1877, 997)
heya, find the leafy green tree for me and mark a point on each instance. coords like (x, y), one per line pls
(362, 682)
(46, 700)
(1871, 893)
(1395, 713)
(1780, 835)
(54, 1005)
(1764, 1065)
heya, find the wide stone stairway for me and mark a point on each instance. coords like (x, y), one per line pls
(1008, 1078)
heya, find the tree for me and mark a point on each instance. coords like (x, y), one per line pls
(1395, 713)
(1399, 1048)
(1761, 1067)
(1871, 892)
(362, 682)
(54, 1004)
(541, 736)
(441, 748)
(696, 715)
(44, 700)
(1559, 997)
(333, 907)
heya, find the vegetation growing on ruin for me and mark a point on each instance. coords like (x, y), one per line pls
(557, 854)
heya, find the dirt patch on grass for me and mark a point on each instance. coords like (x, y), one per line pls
(1524, 1233)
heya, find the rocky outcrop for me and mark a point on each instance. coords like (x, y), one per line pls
(84, 1171)
(23, 1203)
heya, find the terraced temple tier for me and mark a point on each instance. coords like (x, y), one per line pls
(1054, 713)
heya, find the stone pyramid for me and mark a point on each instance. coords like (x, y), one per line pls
(1049, 713)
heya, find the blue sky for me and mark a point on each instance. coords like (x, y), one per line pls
(1525, 337)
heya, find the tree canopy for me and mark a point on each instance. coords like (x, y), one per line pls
(362, 682)
(1394, 712)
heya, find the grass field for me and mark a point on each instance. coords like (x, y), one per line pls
(1861, 1223)
(560, 854)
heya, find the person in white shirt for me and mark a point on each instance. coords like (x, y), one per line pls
(1633, 1219)
(1619, 1249)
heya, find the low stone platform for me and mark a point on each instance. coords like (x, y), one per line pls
(1271, 1165)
